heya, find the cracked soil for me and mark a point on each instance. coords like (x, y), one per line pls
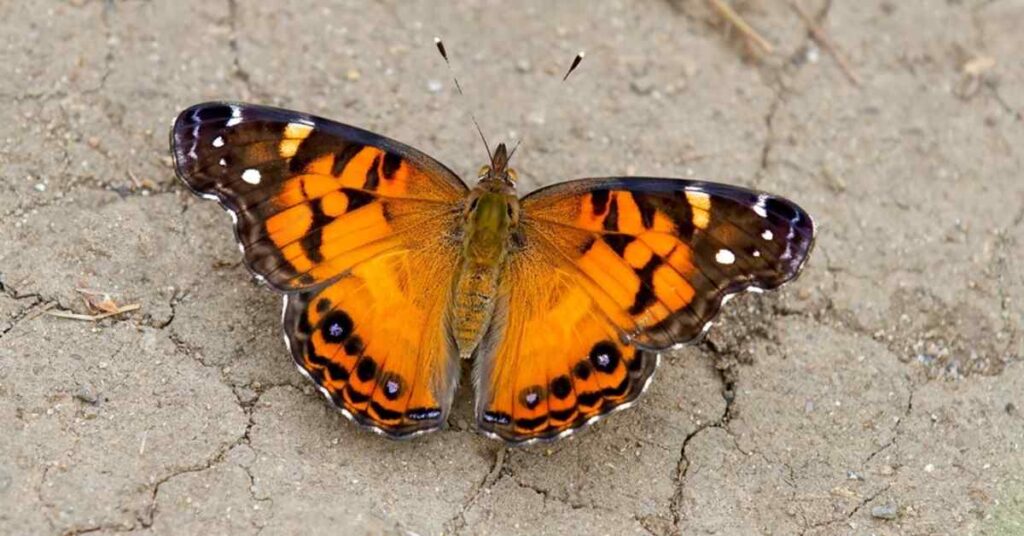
(879, 394)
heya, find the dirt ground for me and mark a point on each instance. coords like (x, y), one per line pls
(882, 393)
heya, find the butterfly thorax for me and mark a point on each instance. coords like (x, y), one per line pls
(492, 213)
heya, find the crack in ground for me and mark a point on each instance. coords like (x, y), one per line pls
(457, 523)
(727, 377)
(148, 517)
(107, 69)
(898, 428)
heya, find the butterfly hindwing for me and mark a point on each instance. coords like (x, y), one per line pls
(552, 361)
(375, 341)
(611, 271)
(356, 230)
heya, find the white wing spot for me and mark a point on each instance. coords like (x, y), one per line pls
(236, 116)
(251, 176)
(218, 142)
(767, 234)
(759, 207)
(757, 253)
(222, 162)
(725, 256)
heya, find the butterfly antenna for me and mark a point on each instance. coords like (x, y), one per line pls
(575, 63)
(519, 141)
(481, 132)
(444, 54)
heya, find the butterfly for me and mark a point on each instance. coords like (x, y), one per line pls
(393, 270)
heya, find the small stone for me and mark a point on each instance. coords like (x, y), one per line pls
(40, 187)
(353, 74)
(929, 468)
(885, 511)
(853, 475)
(523, 66)
(1010, 408)
(87, 395)
(434, 86)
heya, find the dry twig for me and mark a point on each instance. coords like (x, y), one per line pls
(822, 38)
(99, 304)
(729, 14)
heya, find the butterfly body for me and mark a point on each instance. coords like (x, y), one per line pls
(490, 224)
(394, 270)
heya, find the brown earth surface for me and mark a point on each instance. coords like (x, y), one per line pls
(882, 393)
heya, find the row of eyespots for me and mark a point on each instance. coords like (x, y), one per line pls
(337, 327)
(604, 357)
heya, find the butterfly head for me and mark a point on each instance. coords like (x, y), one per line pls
(498, 176)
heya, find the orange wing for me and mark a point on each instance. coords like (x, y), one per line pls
(357, 230)
(610, 272)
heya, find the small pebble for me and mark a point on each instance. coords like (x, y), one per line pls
(40, 187)
(87, 395)
(853, 475)
(434, 86)
(353, 74)
(523, 66)
(886, 511)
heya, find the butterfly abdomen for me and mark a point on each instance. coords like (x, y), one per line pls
(474, 304)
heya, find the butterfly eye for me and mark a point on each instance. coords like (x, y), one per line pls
(484, 170)
(472, 204)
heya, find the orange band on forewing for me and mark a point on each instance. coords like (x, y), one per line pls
(610, 273)
(320, 166)
(398, 184)
(637, 254)
(318, 185)
(660, 243)
(354, 174)
(334, 204)
(671, 288)
(361, 226)
(680, 260)
(289, 225)
(663, 224)
(629, 219)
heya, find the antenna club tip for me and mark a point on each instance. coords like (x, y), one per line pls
(437, 39)
(582, 54)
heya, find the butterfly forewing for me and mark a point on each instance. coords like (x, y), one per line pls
(311, 197)
(355, 228)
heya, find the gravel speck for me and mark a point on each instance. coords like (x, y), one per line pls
(885, 511)
(87, 394)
